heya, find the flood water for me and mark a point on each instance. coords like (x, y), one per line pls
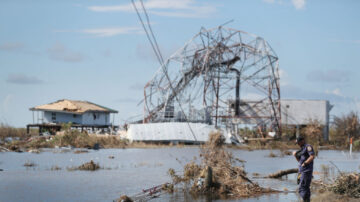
(133, 170)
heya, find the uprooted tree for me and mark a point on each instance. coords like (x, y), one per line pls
(218, 174)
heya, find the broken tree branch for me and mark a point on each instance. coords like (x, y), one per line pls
(282, 173)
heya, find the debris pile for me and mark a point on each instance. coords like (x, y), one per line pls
(272, 155)
(34, 151)
(81, 151)
(29, 164)
(15, 148)
(347, 184)
(91, 166)
(124, 198)
(53, 168)
(3, 149)
(218, 173)
(148, 194)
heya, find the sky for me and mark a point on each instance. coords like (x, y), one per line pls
(96, 50)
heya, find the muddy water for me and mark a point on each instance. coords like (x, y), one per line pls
(133, 170)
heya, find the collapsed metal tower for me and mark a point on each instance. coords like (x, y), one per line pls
(222, 76)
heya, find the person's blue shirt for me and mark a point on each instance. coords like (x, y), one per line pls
(306, 151)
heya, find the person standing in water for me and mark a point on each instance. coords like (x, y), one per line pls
(305, 156)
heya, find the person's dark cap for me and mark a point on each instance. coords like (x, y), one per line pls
(298, 139)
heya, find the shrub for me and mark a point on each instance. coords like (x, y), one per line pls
(313, 134)
(8, 131)
(74, 138)
(356, 145)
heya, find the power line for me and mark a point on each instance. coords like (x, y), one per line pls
(158, 54)
(152, 33)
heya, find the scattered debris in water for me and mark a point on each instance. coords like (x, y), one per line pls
(148, 194)
(62, 150)
(124, 198)
(328, 196)
(345, 187)
(218, 174)
(55, 168)
(81, 151)
(286, 153)
(29, 164)
(3, 149)
(35, 151)
(168, 188)
(327, 173)
(272, 155)
(281, 173)
(15, 148)
(90, 166)
(347, 184)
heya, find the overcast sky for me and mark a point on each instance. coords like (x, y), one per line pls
(96, 50)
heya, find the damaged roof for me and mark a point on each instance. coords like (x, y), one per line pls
(73, 106)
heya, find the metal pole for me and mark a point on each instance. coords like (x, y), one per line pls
(350, 146)
(217, 98)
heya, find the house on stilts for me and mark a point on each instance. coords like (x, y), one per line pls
(82, 115)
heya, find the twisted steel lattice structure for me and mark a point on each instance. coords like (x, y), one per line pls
(221, 76)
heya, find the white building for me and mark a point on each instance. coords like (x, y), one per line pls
(294, 112)
(176, 132)
(301, 112)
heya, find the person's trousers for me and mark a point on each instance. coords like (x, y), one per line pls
(304, 186)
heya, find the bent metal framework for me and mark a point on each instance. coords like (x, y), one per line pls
(222, 76)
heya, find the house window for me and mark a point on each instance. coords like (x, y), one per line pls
(74, 115)
(94, 115)
(53, 116)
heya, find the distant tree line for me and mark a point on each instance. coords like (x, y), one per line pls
(345, 127)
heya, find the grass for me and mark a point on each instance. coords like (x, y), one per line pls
(329, 196)
(7, 131)
(344, 187)
(74, 138)
(282, 145)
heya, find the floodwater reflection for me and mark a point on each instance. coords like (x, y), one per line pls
(128, 171)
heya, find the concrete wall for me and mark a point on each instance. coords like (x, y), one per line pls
(300, 112)
(87, 118)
